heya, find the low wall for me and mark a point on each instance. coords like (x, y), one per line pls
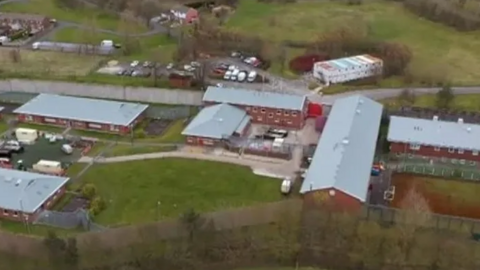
(139, 94)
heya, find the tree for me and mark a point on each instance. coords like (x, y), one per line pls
(444, 97)
(89, 191)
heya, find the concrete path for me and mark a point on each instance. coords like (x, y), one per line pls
(286, 168)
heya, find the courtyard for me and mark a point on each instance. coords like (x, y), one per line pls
(444, 196)
(150, 190)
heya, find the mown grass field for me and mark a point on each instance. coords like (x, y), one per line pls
(47, 63)
(470, 102)
(87, 16)
(436, 48)
(149, 190)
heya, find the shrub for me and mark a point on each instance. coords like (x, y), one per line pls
(89, 191)
(97, 206)
(141, 134)
(304, 63)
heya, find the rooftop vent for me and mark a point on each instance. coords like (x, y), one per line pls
(358, 111)
(19, 181)
(469, 129)
(417, 128)
(360, 101)
(435, 118)
(345, 141)
(460, 120)
(220, 119)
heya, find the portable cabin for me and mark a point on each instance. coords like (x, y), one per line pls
(48, 167)
(26, 135)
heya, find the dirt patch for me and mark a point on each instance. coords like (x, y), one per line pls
(447, 197)
(157, 127)
(76, 203)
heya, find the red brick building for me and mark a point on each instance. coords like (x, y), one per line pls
(23, 195)
(32, 22)
(340, 170)
(268, 108)
(216, 123)
(434, 138)
(82, 113)
(184, 14)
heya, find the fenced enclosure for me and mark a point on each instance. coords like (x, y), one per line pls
(169, 113)
(258, 147)
(68, 220)
(443, 172)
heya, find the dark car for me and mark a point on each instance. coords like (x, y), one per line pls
(6, 153)
(265, 137)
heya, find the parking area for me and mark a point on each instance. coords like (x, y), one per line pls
(146, 68)
(306, 136)
(76, 203)
(19, 29)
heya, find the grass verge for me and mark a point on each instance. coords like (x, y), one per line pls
(148, 190)
(470, 102)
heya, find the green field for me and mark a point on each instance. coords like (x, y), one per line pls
(436, 48)
(87, 16)
(470, 102)
(148, 190)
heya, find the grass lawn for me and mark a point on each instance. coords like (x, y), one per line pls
(156, 47)
(3, 126)
(434, 46)
(41, 127)
(44, 63)
(469, 102)
(148, 190)
(87, 16)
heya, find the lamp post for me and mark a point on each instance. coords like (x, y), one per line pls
(158, 210)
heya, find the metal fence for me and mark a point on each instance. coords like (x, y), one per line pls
(442, 114)
(68, 220)
(169, 113)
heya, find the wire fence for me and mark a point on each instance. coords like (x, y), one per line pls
(68, 220)
(439, 171)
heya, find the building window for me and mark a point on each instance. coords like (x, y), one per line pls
(462, 161)
(263, 110)
(460, 151)
(277, 121)
(28, 118)
(289, 122)
(279, 112)
(15, 213)
(49, 120)
(451, 150)
(415, 146)
(475, 153)
(114, 128)
(286, 113)
(260, 119)
(5, 212)
(96, 126)
(254, 109)
(208, 142)
(270, 115)
(247, 108)
(294, 114)
(437, 149)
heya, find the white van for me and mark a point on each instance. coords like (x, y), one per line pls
(4, 39)
(251, 76)
(286, 186)
(47, 166)
(234, 75)
(242, 76)
(106, 43)
(227, 75)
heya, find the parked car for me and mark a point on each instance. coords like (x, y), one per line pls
(147, 64)
(251, 76)
(223, 66)
(128, 72)
(227, 75)
(286, 186)
(279, 133)
(253, 61)
(134, 63)
(236, 54)
(169, 66)
(232, 67)
(121, 72)
(234, 75)
(266, 137)
(195, 64)
(242, 76)
(219, 85)
(189, 68)
(12, 145)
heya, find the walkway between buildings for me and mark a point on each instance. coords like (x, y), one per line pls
(270, 166)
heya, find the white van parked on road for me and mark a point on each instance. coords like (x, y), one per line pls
(242, 76)
(251, 76)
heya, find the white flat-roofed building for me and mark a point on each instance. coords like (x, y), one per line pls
(347, 69)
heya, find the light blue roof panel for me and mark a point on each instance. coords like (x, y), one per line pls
(434, 133)
(83, 109)
(27, 191)
(254, 98)
(217, 122)
(243, 124)
(344, 154)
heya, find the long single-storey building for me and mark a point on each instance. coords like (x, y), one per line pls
(82, 113)
(269, 108)
(339, 173)
(23, 195)
(215, 123)
(434, 138)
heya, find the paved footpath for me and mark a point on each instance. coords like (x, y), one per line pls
(279, 167)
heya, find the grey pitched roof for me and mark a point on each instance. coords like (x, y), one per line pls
(434, 133)
(217, 121)
(83, 109)
(254, 98)
(344, 154)
(26, 191)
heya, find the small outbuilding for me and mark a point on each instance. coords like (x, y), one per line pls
(26, 135)
(216, 123)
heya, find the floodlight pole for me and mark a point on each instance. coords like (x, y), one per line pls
(24, 218)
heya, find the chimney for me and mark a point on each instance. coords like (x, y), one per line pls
(435, 118)
(460, 120)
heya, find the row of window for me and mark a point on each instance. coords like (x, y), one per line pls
(416, 147)
(260, 119)
(279, 112)
(453, 160)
